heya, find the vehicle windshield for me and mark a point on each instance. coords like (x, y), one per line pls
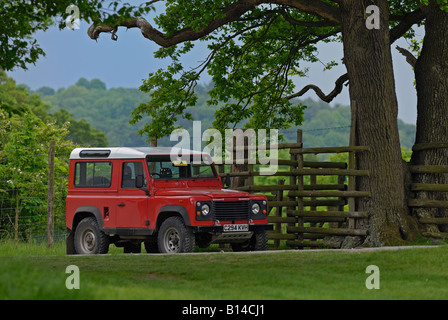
(161, 167)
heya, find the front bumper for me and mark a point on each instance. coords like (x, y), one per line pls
(219, 229)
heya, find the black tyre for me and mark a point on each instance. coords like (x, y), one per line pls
(132, 247)
(151, 246)
(89, 239)
(258, 242)
(175, 237)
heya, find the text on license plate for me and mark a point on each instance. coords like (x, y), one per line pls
(236, 227)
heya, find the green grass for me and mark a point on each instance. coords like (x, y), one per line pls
(33, 272)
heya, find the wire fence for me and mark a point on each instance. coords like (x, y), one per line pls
(24, 193)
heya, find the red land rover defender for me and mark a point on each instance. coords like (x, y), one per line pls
(127, 196)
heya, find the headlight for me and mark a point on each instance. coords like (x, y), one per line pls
(205, 209)
(255, 208)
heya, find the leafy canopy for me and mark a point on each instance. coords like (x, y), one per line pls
(22, 19)
(253, 62)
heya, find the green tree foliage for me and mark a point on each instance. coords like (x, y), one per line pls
(252, 62)
(24, 141)
(81, 131)
(17, 100)
(22, 19)
(109, 109)
(98, 116)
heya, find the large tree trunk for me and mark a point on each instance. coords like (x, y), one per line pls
(372, 89)
(431, 74)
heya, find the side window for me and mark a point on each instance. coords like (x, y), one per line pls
(130, 171)
(93, 174)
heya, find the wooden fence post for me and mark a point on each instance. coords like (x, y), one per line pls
(300, 220)
(352, 165)
(239, 181)
(50, 203)
(278, 213)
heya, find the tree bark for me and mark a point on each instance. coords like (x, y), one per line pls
(372, 88)
(431, 74)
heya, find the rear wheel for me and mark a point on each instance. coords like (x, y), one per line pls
(89, 239)
(175, 237)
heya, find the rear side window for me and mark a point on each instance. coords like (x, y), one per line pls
(93, 174)
(129, 174)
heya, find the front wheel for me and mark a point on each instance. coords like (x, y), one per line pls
(175, 237)
(89, 239)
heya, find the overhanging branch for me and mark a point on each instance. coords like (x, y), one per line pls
(231, 13)
(339, 84)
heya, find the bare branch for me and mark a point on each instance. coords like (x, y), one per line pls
(327, 98)
(406, 23)
(152, 2)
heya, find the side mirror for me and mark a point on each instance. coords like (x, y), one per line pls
(227, 182)
(139, 181)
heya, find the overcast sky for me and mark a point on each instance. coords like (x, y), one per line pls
(71, 54)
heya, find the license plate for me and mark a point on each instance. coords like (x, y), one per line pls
(236, 227)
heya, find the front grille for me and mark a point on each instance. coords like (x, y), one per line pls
(231, 210)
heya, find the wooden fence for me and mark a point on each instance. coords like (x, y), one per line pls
(307, 209)
(426, 187)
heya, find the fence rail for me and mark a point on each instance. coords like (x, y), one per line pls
(424, 192)
(306, 211)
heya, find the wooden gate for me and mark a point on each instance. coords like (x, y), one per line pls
(416, 188)
(312, 203)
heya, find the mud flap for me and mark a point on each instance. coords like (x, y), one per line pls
(70, 243)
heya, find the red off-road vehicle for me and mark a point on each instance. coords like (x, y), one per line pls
(127, 196)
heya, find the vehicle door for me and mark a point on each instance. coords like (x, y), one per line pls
(132, 202)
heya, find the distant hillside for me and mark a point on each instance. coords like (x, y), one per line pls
(105, 109)
(327, 126)
(109, 110)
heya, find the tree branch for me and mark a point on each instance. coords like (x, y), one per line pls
(232, 13)
(327, 98)
(315, 7)
(410, 58)
(295, 22)
(407, 21)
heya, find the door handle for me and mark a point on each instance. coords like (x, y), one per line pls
(121, 204)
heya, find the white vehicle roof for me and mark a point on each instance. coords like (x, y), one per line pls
(125, 152)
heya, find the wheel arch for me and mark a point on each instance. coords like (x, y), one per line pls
(87, 211)
(172, 211)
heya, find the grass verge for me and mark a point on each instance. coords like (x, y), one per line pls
(404, 274)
